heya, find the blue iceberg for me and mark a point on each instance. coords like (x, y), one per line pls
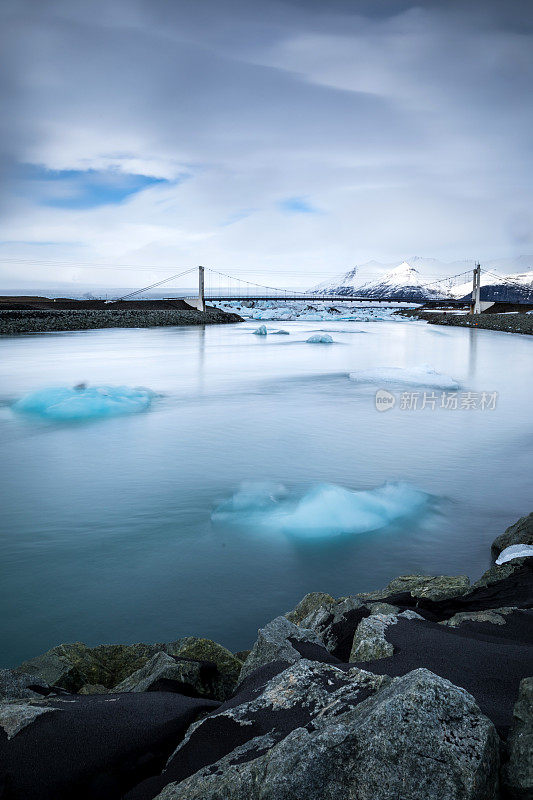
(320, 338)
(84, 402)
(324, 510)
(261, 331)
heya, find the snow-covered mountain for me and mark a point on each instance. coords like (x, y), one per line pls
(413, 279)
(511, 288)
(403, 281)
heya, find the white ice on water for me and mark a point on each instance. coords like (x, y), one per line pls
(325, 510)
(261, 331)
(415, 376)
(515, 551)
(84, 402)
(311, 311)
(320, 338)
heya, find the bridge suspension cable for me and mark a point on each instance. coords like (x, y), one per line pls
(159, 283)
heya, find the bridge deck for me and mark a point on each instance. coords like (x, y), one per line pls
(333, 299)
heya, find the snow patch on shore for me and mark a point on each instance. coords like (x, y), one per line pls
(324, 510)
(84, 402)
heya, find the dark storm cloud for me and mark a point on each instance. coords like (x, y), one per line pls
(407, 125)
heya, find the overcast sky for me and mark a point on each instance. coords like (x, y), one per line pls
(302, 137)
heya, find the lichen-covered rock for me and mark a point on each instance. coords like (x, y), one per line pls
(429, 587)
(71, 666)
(370, 642)
(92, 688)
(15, 685)
(519, 533)
(310, 603)
(494, 615)
(382, 608)
(273, 644)
(419, 738)
(518, 772)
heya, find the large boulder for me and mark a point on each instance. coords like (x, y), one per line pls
(518, 772)
(519, 533)
(420, 737)
(269, 704)
(274, 644)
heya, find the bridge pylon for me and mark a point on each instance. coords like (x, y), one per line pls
(201, 289)
(475, 307)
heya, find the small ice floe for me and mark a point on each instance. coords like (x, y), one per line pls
(415, 376)
(515, 551)
(84, 402)
(261, 331)
(280, 333)
(322, 511)
(320, 338)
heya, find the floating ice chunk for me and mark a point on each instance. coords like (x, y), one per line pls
(261, 331)
(320, 338)
(515, 551)
(416, 376)
(325, 510)
(280, 333)
(84, 402)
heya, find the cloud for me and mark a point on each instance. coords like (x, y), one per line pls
(408, 126)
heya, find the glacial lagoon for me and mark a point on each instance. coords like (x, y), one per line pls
(258, 469)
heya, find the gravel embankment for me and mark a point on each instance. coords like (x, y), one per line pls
(45, 321)
(509, 323)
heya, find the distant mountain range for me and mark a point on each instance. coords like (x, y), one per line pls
(414, 280)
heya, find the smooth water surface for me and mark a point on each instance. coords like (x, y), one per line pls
(117, 529)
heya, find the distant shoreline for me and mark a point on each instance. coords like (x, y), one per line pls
(507, 323)
(15, 321)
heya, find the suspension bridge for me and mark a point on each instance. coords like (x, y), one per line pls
(215, 287)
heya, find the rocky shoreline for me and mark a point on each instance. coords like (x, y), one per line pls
(16, 321)
(508, 323)
(422, 690)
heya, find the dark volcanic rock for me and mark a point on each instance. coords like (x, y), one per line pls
(418, 738)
